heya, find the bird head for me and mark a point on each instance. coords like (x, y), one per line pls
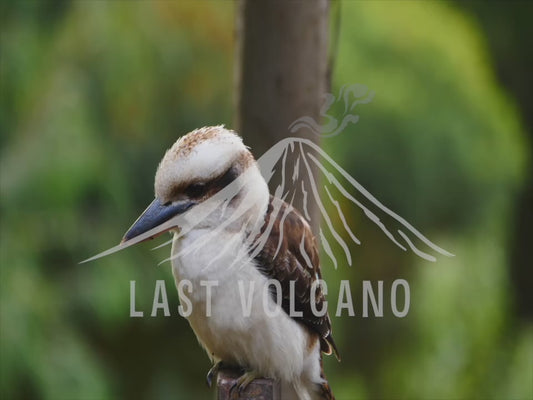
(197, 167)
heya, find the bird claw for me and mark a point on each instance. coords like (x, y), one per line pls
(213, 372)
(243, 381)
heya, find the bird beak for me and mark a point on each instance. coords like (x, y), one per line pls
(156, 214)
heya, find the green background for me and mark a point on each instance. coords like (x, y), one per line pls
(94, 92)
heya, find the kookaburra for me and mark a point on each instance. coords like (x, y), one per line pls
(279, 345)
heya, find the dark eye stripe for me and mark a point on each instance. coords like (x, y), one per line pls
(199, 189)
(229, 176)
(195, 190)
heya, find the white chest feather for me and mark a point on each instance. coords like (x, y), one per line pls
(238, 329)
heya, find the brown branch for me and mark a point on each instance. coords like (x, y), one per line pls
(258, 389)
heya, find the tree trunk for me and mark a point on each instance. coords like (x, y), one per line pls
(281, 71)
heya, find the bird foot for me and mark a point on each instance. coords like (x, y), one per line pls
(244, 380)
(213, 372)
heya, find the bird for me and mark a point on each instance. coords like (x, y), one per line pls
(228, 229)
(212, 195)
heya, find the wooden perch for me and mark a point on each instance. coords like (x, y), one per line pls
(258, 389)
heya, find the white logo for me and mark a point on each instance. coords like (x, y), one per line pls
(315, 165)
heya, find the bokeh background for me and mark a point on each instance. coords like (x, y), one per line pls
(93, 92)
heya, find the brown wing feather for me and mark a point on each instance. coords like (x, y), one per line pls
(290, 254)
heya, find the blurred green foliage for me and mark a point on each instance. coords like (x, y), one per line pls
(92, 93)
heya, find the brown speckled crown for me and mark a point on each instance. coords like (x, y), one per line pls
(184, 146)
(186, 163)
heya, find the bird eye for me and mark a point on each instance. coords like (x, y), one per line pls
(195, 189)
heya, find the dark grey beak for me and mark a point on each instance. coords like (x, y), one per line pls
(155, 215)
